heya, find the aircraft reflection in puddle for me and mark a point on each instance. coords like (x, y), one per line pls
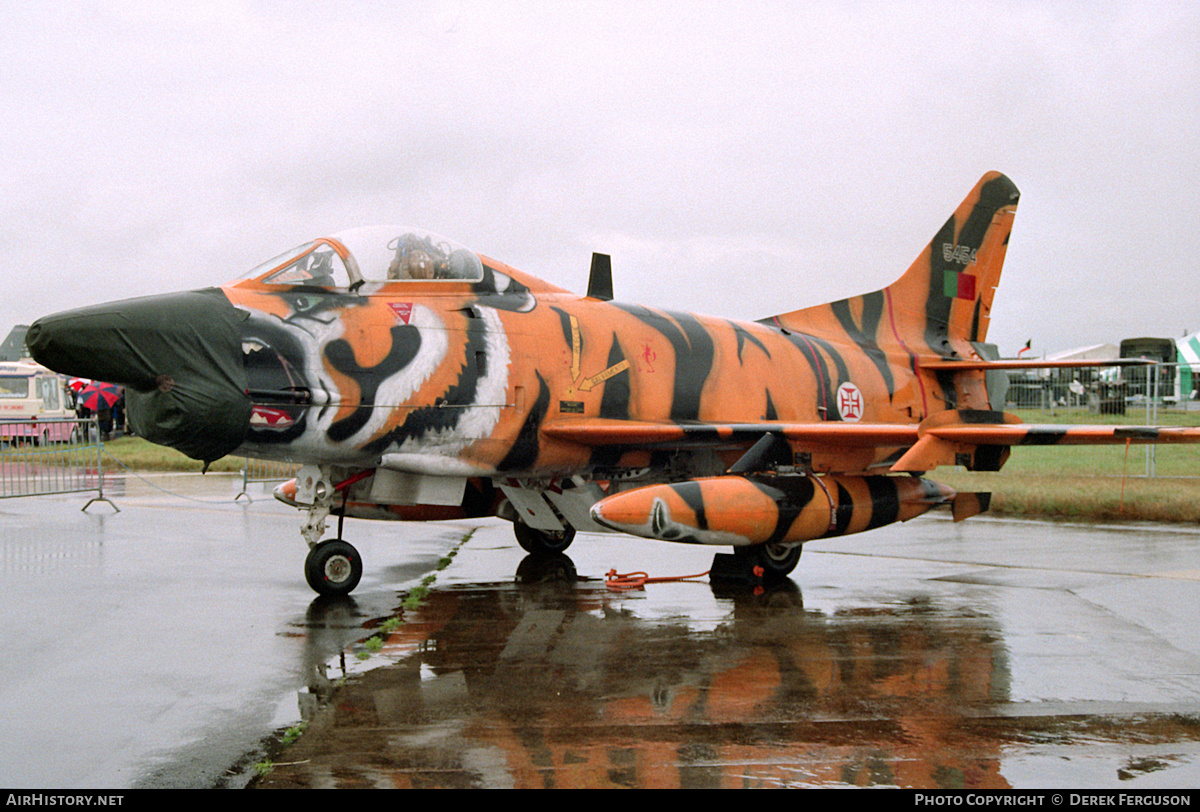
(556, 682)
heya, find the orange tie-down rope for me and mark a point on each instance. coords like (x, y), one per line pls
(637, 580)
(618, 581)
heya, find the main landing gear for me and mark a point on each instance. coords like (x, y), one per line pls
(542, 542)
(757, 565)
(776, 560)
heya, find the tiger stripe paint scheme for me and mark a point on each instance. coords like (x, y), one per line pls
(457, 380)
(744, 511)
(462, 375)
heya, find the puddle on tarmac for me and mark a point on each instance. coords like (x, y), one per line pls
(563, 684)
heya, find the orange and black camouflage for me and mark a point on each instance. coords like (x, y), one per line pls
(415, 379)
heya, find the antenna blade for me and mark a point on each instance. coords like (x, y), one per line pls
(600, 282)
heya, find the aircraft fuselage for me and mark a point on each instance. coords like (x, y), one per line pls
(414, 379)
(461, 381)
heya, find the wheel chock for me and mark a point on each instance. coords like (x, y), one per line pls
(739, 568)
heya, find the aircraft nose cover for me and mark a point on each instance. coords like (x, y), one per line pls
(179, 357)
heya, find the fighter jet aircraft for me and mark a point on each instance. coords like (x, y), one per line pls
(414, 379)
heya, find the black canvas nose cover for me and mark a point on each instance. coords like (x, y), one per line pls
(178, 355)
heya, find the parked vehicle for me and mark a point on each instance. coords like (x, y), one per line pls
(34, 404)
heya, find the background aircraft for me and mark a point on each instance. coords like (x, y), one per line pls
(414, 379)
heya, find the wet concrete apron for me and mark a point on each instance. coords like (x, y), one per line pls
(986, 655)
(172, 644)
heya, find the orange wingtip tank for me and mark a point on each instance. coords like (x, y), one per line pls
(742, 511)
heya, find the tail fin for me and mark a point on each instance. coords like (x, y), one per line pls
(945, 297)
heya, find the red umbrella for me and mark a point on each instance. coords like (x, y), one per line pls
(77, 384)
(98, 395)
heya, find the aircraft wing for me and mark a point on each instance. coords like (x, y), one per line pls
(941, 440)
(654, 434)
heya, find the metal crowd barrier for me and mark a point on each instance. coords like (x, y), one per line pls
(264, 472)
(1161, 394)
(51, 456)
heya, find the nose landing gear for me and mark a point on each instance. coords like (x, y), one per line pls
(332, 567)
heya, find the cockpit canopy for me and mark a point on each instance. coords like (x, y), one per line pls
(371, 254)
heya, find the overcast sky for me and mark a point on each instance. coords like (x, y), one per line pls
(740, 159)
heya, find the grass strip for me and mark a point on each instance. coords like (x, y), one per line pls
(1074, 482)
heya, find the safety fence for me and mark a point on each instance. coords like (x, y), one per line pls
(264, 472)
(58, 456)
(51, 456)
(1153, 395)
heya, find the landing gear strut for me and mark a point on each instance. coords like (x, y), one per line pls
(332, 567)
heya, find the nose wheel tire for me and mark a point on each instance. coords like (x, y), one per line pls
(333, 567)
(542, 542)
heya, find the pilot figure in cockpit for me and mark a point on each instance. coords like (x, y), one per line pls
(414, 259)
(418, 258)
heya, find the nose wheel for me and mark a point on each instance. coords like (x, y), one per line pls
(333, 567)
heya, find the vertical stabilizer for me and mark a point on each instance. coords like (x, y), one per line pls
(944, 300)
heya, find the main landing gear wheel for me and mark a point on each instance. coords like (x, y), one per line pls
(777, 560)
(333, 567)
(542, 542)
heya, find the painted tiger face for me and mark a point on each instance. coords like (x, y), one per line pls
(354, 376)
